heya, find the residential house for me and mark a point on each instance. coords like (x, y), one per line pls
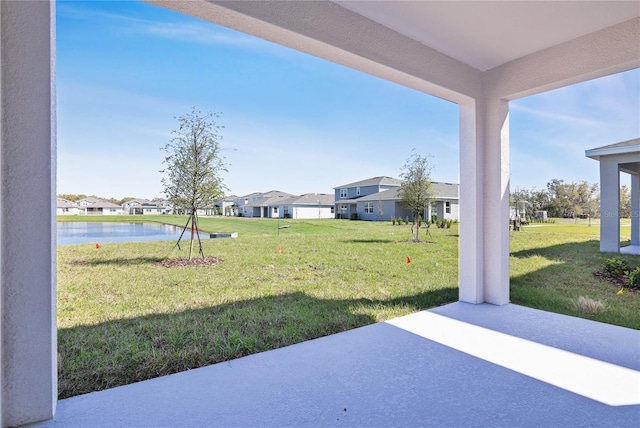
(104, 208)
(226, 206)
(387, 204)
(262, 205)
(378, 199)
(347, 195)
(166, 206)
(95, 206)
(309, 205)
(141, 207)
(221, 207)
(65, 207)
(87, 201)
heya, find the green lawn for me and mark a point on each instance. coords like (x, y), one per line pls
(552, 266)
(122, 318)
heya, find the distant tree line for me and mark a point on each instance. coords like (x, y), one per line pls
(568, 200)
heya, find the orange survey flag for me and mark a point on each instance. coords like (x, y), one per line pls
(97, 245)
(408, 260)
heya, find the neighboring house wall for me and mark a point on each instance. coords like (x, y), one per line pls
(309, 206)
(310, 212)
(376, 210)
(72, 210)
(104, 211)
(65, 207)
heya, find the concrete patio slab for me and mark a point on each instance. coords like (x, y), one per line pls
(630, 249)
(384, 375)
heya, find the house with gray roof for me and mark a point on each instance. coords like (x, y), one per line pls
(142, 207)
(261, 205)
(307, 206)
(65, 207)
(103, 208)
(95, 206)
(87, 201)
(347, 195)
(377, 199)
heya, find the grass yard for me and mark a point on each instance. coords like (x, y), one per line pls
(552, 269)
(122, 318)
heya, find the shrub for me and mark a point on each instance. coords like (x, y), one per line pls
(588, 306)
(406, 220)
(616, 267)
(393, 221)
(634, 278)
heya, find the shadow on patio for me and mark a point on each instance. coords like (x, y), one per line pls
(118, 352)
(406, 372)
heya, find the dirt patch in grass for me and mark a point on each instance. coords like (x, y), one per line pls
(183, 262)
(620, 281)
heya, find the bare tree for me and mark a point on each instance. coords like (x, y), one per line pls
(193, 166)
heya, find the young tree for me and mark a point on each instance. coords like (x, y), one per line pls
(416, 191)
(193, 166)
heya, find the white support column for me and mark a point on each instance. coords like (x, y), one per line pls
(496, 202)
(609, 205)
(471, 250)
(635, 209)
(28, 248)
(484, 202)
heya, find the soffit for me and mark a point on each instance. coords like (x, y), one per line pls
(486, 34)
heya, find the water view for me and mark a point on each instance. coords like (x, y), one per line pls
(83, 232)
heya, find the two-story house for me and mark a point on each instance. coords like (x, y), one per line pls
(347, 196)
(378, 199)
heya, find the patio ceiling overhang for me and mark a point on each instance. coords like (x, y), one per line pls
(441, 47)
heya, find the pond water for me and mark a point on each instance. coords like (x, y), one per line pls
(83, 232)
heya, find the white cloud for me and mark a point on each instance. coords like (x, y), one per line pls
(546, 114)
(180, 28)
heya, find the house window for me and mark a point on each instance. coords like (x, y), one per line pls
(332, 209)
(343, 193)
(343, 208)
(275, 210)
(447, 207)
(368, 207)
(357, 191)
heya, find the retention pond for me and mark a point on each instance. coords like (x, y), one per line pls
(85, 232)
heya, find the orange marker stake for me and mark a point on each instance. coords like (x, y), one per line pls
(408, 260)
(97, 245)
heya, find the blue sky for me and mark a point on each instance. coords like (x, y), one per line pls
(293, 122)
